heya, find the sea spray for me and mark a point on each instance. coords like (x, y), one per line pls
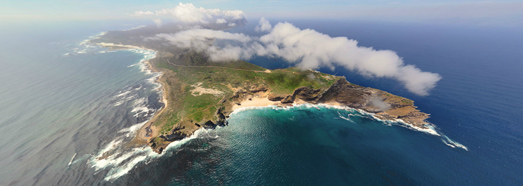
(124, 160)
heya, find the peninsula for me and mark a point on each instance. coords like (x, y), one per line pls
(199, 93)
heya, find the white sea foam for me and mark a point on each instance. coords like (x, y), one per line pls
(152, 80)
(140, 111)
(118, 160)
(142, 64)
(81, 158)
(345, 118)
(118, 103)
(85, 46)
(111, 146)
(451, 143)
(124, 169)
(140, 107)
(132, 130)
(124, 93)
(112, 160)
(178, 143)
(121, 162)
(123, 100)
(139, 102)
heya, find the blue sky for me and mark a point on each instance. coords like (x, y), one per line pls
(504, 12)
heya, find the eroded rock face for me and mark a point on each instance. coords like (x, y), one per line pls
(275, 98)
(159, 143)
(288, 99)
(359, 97)
(308, 94)
(347, 94)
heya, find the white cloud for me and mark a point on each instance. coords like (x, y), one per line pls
(142, 13)
(220, 21)
(188, 13)
(311, 49)
(158, 22)
(308, 49)
(234, 48)
(263, 26)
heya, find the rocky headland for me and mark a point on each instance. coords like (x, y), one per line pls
(199, 93)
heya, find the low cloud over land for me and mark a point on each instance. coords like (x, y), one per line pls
(305, 48)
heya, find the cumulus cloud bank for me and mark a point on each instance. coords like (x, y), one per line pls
(263, 26)
(305, 48)
(188, 13)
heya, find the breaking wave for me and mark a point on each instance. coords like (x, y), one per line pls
(120, 161)
(115, 157)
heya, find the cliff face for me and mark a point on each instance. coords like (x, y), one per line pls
(384, 105)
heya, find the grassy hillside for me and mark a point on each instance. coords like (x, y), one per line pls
(184, 71)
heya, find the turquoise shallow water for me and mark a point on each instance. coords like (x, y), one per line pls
(305, 146)
(90, 101)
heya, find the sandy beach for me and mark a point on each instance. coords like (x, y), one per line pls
(255, 102)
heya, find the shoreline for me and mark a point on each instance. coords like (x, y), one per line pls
(147, 131)
(430, 128)
(262, 103)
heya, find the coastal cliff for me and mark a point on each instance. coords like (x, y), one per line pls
(335, 91)
(199, 93)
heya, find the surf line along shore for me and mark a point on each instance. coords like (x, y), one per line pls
(323, 90)
(148, 129)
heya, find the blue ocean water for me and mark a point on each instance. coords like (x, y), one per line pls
(60, 97)
(90, 101)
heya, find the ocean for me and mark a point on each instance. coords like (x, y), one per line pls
(62, 96)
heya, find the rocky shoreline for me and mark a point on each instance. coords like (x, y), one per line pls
(340, 94)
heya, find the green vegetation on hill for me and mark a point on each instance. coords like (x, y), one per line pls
(190, 68)
(285, 81)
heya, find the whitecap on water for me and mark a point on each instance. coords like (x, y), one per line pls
(451, 143)
(114, 156)
(122, 161)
